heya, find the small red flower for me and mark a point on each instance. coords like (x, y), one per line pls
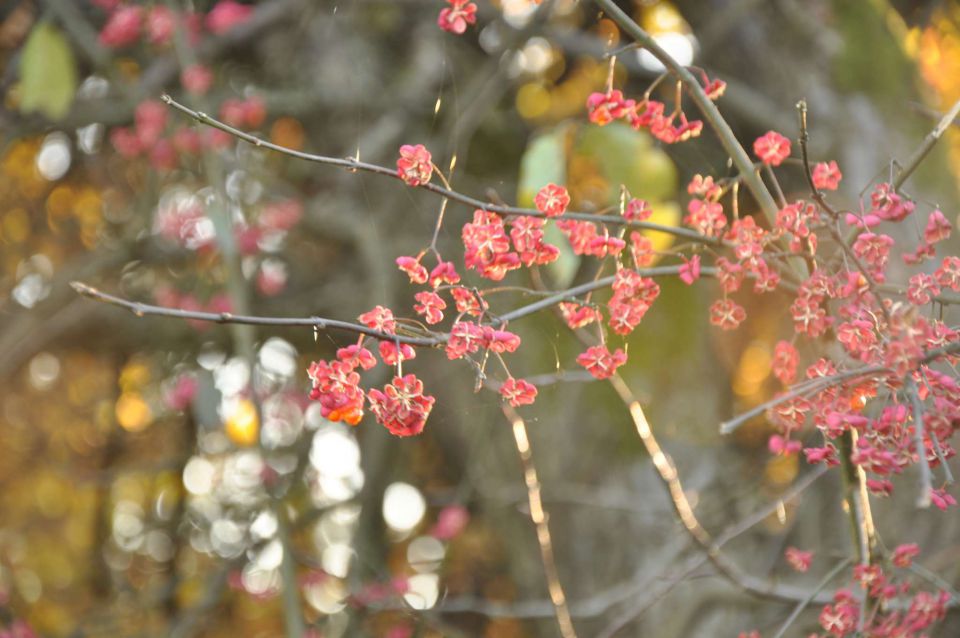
(826, 177)
(379, 318)
(518, 392)
(159, 24)
(414, 269)
(637, 210)
(938, 228)
(457, 16)
(600, 362)
(402, 407)
(772, 148)
(942, 499)
(798, 559)
(226, 15)
(450, 522)
(431, 306)
(552, 200)
(444, 273)
(196, 79)
(727, 314)
(604, 108)
(903, 554)
(785, 360)
(415, 165)
(122, 27)
(690, 270)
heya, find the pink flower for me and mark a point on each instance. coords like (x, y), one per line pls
(552, 200)
(772, 148)
(402, 407)
(379, 318)
(414, 166)
(938, 228)
(785, 360)
(903, 555)
(450, 522)
(271, 278)
(414, 269)
(226, 15)
(457, 16)
(600, 362)
(604, 108)
(444, 273)
(637, 210)
(727, 314)
(430, 306)
(160, 24)
(798, 559)
(826, 177)
(196, 79)
(783, 446)
(942, 499)
(150, 120)
(690, 270)
(518, 392)
(180, 394)
(125, 142)
(122, 27)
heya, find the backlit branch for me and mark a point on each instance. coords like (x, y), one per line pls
(354, 164)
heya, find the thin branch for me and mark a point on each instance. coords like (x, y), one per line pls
(539, 518)
(353, 165)
(669, 476)
(709, 110)
(822, 383)
(319, 323)
(926, 146)
(923, 499)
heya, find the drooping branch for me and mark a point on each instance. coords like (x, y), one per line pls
(667, 471)
(539, 517)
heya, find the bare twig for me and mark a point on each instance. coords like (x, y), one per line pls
(539, 517)
(354, 164)
(320, 323)
(926, 146)
(923, 499)
(681, 505)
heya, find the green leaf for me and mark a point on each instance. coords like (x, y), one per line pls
(628, 157)
(545, 161)
(48, 74)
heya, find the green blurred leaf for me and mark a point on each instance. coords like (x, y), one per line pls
(628, 157)
(48, 74)
(545, 161)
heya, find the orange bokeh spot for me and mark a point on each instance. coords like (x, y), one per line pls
(243, 425)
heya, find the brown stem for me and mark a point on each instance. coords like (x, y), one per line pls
(539, 517)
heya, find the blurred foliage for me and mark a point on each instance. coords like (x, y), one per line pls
(126, 512)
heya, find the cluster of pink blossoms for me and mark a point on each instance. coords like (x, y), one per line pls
(401, 406)
(648, 114)
(127, 24)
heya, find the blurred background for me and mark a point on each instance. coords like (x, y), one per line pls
(142, 493)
